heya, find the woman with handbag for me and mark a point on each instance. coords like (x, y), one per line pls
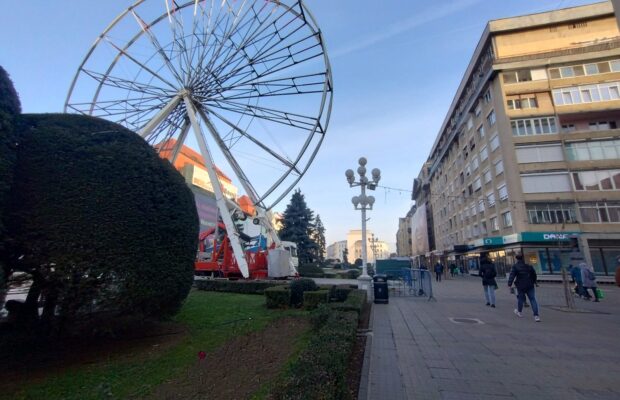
(488, 273)
(588, 280)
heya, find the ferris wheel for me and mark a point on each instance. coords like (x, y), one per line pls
(250, 78)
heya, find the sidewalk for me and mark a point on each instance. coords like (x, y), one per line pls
(417, 352)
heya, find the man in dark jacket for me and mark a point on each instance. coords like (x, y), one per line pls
(488, 273)
(438, 271)
(524, 277)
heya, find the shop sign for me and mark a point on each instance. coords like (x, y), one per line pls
(547, 236)
(493, 241)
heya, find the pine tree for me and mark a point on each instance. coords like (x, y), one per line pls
(319, 238)
(345, 258)
(298, 227)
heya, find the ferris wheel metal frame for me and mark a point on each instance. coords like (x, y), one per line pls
(216, 77)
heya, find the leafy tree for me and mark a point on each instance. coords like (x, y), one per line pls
(10, 108)
(100, 221)
(319, 238)
(298, 227)
(359, 262)
(345, 258)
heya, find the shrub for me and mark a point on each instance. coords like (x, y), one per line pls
(9, 108)
(320, 371)
(313, 298)
(298, 287)
(353, 274)
(278, 297)
(341, 292)
(310, 271)
(103, 223)
(355, 302)
(244, 287)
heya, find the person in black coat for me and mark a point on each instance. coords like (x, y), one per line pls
(488, 273)
(524, 278)
(438, 271)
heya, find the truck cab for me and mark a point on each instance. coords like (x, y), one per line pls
(291, 247)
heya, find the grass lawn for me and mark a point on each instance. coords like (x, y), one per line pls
(211, 319)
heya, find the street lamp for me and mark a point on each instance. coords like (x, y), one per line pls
(374, 245)
(363, 203)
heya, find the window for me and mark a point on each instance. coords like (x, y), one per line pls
(603, 212)
(507, 219)
(490, 197)
(494, 225)
(550, 213)
(487, 96)
(517, 76)
(472, 144)
(483, 227)
(474, 163)
(476, 230)
(547, 153)
(546, 183)
(597, 180)
(502, 192)
(594, 150)
(499, 167)
(522, 103)
(601, 125)
(491, 118)
(470, 123)
(481, 206)
(487, 175)
(494, 142)
(480, 132)
(533, 126)
(484, 154)
(585, 69)
(477, 184)
(478, 110)
(586, 94)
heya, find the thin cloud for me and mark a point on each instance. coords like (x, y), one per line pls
(424, 17)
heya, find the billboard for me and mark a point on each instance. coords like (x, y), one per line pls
(419, 233)
(206, 207)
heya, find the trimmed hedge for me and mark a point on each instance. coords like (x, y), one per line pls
(117, 222)
(355, 302)
(320, 371)
(277, 297)
(310, 271)
(243, 287)
(298, 287)
(341, 292)
(312, 299)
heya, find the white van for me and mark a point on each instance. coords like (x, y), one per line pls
(291, 247)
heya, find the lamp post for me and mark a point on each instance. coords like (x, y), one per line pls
(374, 244)
(363, 203)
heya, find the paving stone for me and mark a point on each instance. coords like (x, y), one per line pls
(417, 353)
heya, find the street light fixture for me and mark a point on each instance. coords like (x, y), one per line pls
(363, 203)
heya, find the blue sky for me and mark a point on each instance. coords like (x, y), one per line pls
(396, 66)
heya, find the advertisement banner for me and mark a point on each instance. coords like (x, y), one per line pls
(419, 233)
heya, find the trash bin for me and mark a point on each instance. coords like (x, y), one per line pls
(380, 288)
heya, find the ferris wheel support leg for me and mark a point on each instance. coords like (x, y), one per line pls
(180, 141)
(217, 190)
(264, 216)
(160, 116)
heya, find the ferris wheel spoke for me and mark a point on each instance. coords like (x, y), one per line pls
(250, 38)
(147, 30)
(269, 114)
(178, 38)
(257, 142)
(141, 65)
(302, 84)
(125, 84)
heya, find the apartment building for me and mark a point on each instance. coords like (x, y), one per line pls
(528, 156)
(403, 235)
(335, 250)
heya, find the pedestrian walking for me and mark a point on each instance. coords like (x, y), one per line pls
(575, 273)
(488, 272)
(524, 278)
(588, 280)
(454, 271)
(438, 271)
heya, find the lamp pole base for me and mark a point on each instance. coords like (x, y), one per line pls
(364, 282)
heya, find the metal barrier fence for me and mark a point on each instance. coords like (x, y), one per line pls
(410, 282)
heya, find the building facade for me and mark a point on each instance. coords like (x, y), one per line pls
(375, 249)
(528, 156)
(335, 250)
(403, 235)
